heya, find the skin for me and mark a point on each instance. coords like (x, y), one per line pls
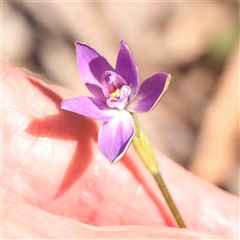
(56, 183)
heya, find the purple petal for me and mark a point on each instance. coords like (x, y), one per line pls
(127, 68)
(90, 107)
(150, 92)
(115, 136)
(91, 66)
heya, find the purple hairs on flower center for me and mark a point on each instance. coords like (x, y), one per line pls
(115, 90)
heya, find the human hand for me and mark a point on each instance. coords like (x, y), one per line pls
(56, 183)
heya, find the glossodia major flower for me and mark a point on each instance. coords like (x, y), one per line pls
(117, 92)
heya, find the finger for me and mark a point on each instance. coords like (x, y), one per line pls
(51, 160)
(22, 221)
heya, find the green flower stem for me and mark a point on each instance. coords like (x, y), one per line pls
(144, 150)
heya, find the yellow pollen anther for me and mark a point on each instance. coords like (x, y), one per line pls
(116, 93)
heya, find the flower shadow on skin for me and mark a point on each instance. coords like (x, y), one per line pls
(66, 126)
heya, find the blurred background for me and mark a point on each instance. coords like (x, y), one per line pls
(196, 123)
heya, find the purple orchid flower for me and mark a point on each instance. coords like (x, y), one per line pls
(117, 93)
